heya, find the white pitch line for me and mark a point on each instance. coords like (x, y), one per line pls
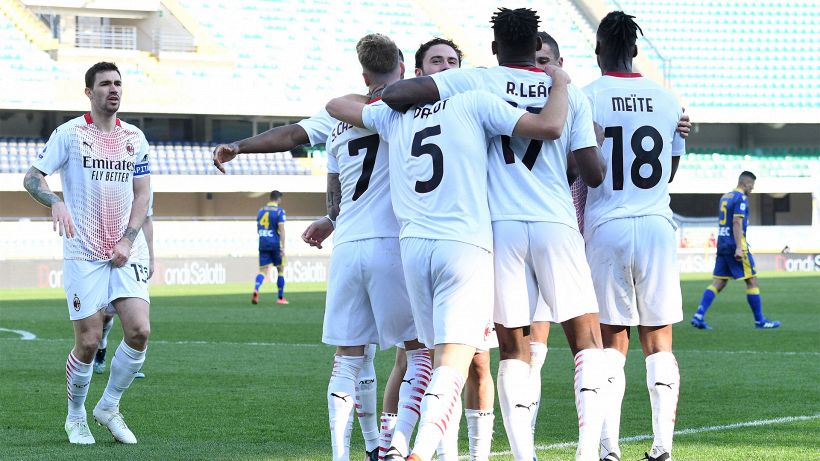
(24, 335)
(275, 344)
(694, 430)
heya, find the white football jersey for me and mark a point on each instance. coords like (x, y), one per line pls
(359, 156)
(528, 180)
(97, 171)
(438, 164)
(640, 120)
(318, 127)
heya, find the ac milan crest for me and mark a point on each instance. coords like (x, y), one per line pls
(129, 148)
(76, 302)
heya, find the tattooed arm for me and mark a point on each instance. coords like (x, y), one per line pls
(35, 184)
(334, 195)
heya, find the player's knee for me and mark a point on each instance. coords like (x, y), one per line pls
(86, 345)
(480, 366)
(139, 335)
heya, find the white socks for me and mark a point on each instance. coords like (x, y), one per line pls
(437, 410)
(340, 395)
(124, 365)
(366, 389)
(386, 427)
(663, 382)
(589, 386)
(614, 387)
(448, 447)
(77, 378)
(413, 386)
(538, 355)
(516, 401)
(480, 432)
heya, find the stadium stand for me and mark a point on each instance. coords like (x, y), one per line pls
(737, 54)
(17, 154)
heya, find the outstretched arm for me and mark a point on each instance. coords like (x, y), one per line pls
(279, 139)
(405, 94)
(35, 184)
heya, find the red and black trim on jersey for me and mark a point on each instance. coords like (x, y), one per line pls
(90, 120)
(624, 74)
(529, 68)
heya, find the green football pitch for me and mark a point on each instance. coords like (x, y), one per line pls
(227, 380)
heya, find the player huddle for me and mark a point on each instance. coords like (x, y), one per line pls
(455, 231)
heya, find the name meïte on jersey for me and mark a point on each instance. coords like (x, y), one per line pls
(632, 103)
(425, 112)
(122, 169)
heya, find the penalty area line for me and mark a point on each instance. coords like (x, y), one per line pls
(694, 430)
(24, 335)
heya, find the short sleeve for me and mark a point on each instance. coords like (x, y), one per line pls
(55, 154)
(142, 165)
(741, 206)
(332, 162)
(318, 127)
(282, 215)
(582, 132)
(497, 116)
(453, 82)
(377, 117)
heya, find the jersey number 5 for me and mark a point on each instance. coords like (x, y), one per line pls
(434, 151)
(371, 146)
(643, 156)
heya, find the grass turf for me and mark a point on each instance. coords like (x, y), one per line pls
(231, 381)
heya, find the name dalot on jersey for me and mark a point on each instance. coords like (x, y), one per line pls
(424, 112)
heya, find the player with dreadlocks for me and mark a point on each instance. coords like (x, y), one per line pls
(642, 150)
(537, 247)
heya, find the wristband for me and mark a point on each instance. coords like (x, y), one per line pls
(332, 222)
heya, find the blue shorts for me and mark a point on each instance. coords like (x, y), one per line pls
(726, 266)
(268, 257)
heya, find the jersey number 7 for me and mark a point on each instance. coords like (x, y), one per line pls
(371, 146)
(643, 156)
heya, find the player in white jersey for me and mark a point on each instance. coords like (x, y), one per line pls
(446, 233)
(147, 253)
(367, 298)
(314, 130)
(104, 170)
(538, 249)
(630, 236)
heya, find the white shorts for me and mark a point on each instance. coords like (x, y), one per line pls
(93, 285)
(540, 259)
(635, 270)
(451, 286)
(367, 300)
